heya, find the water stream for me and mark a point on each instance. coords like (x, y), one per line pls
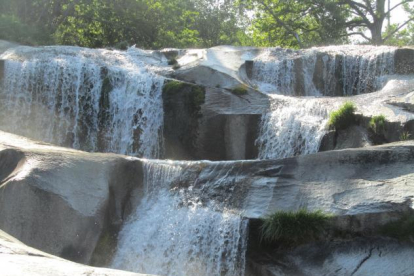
(173, 232)
(296, 125)
(328, 71)
(93, 100)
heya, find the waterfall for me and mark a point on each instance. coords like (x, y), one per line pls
(329, 71)
(293, 126)
(93, 100)
(174, 233)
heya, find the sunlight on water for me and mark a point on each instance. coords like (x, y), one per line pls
(172, 233)
(93, 100)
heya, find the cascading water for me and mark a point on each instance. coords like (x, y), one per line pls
(174, 233)
(330, 71)
(94, 100)
(293, 126)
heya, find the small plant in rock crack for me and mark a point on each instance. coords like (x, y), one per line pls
(293, 227)
(377, 124)
(343, 117)
(405, 135)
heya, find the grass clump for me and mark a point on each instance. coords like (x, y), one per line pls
(402, 229)
(343, 117)
(240, 90)
(405, 135)
(377, 124)
(174, 86)
(293, 227)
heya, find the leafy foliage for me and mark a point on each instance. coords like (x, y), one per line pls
(343, 117)
(103, 23)
(293, 227)
(200, 23)
(377, 124)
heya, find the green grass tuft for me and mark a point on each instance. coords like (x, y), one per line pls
(240, 90)
(402, 229)
(343, 117)
(293, 227)
(405, 135)
(377, 124)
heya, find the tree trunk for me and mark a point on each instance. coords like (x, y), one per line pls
(376, 27)
(376, 32)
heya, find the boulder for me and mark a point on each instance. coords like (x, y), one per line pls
(345, 182)
(404, 58)
(71, 203)
(62, 201)
(210, 123)
(359, 257)
(18, 259)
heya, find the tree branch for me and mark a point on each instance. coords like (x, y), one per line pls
(359, 33)
(396, 6)
(357, 8)
(397, 29)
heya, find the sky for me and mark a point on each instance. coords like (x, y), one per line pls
(398, 15)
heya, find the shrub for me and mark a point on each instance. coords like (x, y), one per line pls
(293, 227)
(402, 229)
(123, 45)
(174, 86)
(405, 135)
(240, 90)
(343, 117)
(176, 66)
(377, 124)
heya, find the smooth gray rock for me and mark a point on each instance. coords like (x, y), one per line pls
(17, 259)
(63, 201)
(359, 257)
(348, 182)
(67, 202)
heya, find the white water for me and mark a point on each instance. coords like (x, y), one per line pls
(355, 70)
(293, 126)
(173, 233)
(53, 94)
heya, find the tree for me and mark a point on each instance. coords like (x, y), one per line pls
(371, 14)
(292, 23)
(217, 22)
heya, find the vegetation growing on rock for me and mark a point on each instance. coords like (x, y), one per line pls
(343, 117)
(196, 97)
(405, 135)
(377, 124)
(402, 229)
(293, 227)
(240, 90)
